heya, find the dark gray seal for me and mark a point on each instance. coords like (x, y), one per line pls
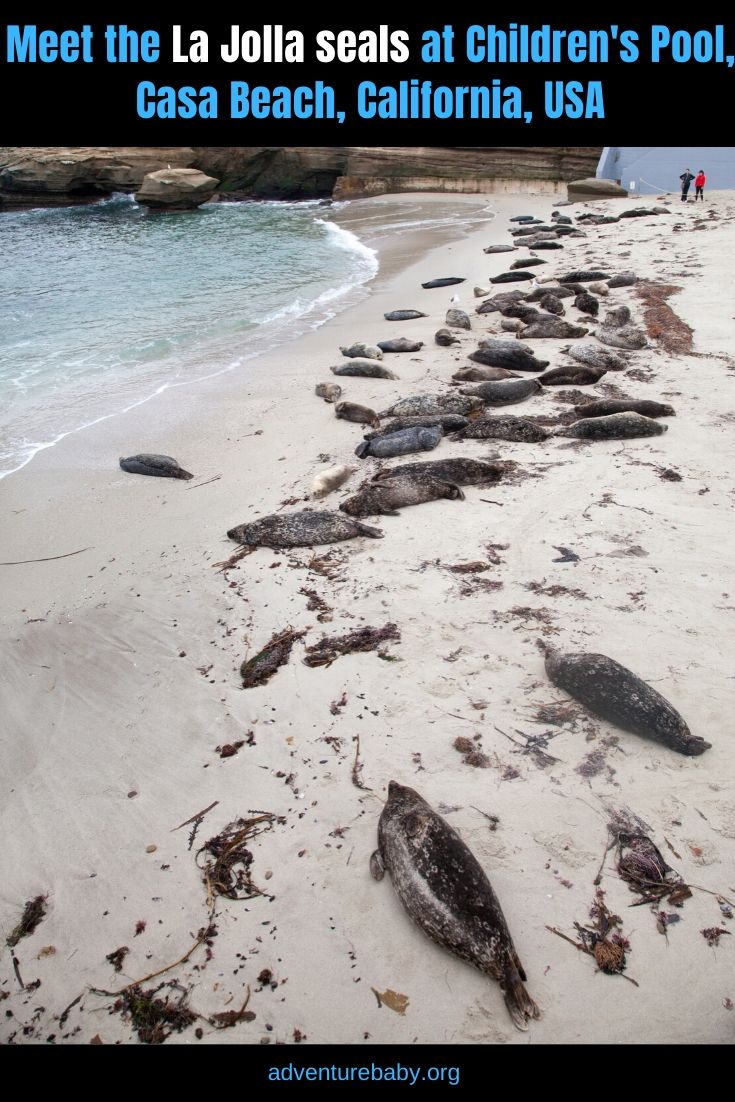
(482, 374)
(618, 316)
(562, 219)
(505, 392)
(448, 422)
(404, 315)
(419, 404)
(522, 311)
(497, 302)
(391, 494)
(512, 277)
(158, 466)
(503, 428)
(552, 304)
(523, 218)
(447, 281)
(613, 692)
(587, 304)
(606, 406)
(594, 356)
(509, 354)
(583, 275)
(616, 426)
(303, 529)
(541, 243)
(445, 891)
(554, 289)
(402, 442)
(365, 369)
(572, 375)
(330, 392)
(623, 279)
(361, 415)
(549, 325)
(527, 262)
(462, 472)
(457, 319)
(445, 338)
(400, 344)
(360, 350)
(492, 249)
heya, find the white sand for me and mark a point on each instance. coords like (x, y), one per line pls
(120, 678)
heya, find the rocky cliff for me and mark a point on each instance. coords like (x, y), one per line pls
(35, 176)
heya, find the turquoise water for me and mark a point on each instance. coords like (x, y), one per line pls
(103, 306)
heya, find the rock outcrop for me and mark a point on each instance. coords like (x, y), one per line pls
(176, 189)
(35, 176)
(592, 188)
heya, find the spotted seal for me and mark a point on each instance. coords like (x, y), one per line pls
(330, 392)
(482, 374)
(606, 406)
(616, 426)
(552, 304)
(583, 275)
(449, 422)
(505, 392)
(404, 315)
(462, 472)
(391, 494)
(302, 529)
(503, 428)
(457, 319)
(360, 350)
(158, 466)
(492, 249)
(497, 302)
(508, 354)
(446, 892)
(366, 369)
(623, 279)
(361, 415)
(622, 336)
(403, 442)
(594, 356)
(549, 325)
(445, 281)
(619, 696)
(419, 404)
(401, 344)
(587, 304)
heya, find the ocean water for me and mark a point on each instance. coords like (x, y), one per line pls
(105, 305)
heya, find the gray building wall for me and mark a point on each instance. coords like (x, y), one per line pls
(649, 170)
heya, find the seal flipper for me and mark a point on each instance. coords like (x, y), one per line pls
(377, 865)
(520, 1005)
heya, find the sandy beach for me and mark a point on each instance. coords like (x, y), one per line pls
(121, 680)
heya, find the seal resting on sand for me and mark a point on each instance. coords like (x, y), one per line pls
(444, 338)
(445, 891)
(391, 494)
(303, 529)
(400, 344)
(366, 369)
(482, 374)
(549, 325)
(330, 392)
(505, 392)
(446, 281)
(613, 692)
(457, 319)
(361, 350)
(448, 422)
(572, 375)
(404, 315)
(331, 479)
(419, 404)
(402, 442)
(159, 466)
(606, 406)
(503, 428)
(462, 472)
(593, 356)
(616, 426)
(508, 354)
(361, 415)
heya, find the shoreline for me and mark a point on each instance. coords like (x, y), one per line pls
(122, 679)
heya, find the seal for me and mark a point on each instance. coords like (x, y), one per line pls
(616, 426)
(330, 392)
(505, 392)
(446, 281)
(404, 315)
(402, 442)
(366, 369)
(482, 374)
(462, 472)
(361, 415)
(527, 262)
(303, 529)
(509, 354)
(522, 218)
(562, 219)
(512, 325)
(617, 317)
(572, 375)
(606, 406)
(497, 302)
(530, 228)
(391, 494)
(445, 891)
(623, 279)
(448, 422)
(548, 325)
(594, 356)
(587, 304)
(598, 289)
(512, 277)
(445, 338)
(622, 336)
(159, 466)
(457, 319)
(363, 351)
(503, 428)
(569, 231)
(554, 289)
(400, 344)
(552, 304)
(583, 275)
(522, 311)
(331, 479)
(482, 292)
(492, 249)
(617, 695)
(419, 404)
(536, 243)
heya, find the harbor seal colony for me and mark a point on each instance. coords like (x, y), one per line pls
(158, 466)
(616, 426)
(361, 415)
(391, 494)
(302, 529)
(402, 442)
(615, 693)
(446, 892)
(365, 369)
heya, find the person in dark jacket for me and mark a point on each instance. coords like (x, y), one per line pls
(686, 182)
(699, 183)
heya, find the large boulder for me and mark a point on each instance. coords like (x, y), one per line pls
(176, 189)
(592, 188)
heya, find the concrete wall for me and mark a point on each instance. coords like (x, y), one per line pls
(653, 169)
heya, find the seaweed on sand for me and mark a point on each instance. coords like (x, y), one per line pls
(276, 652)
(227, 868)
(603, 940)
(329, 648)
(154, 1019)
(33, 912)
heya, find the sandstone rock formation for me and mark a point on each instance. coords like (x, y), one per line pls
(176, 189)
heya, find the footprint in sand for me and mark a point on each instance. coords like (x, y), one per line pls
(564, 848)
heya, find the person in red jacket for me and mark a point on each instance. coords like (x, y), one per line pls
(699, 183)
